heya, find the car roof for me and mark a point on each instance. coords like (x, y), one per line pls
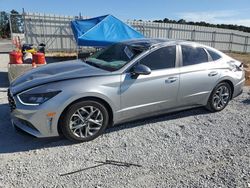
(152, 42)
(156, 42)
(146, 42)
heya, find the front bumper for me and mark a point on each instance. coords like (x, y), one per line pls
(37, 125)
(34, 119)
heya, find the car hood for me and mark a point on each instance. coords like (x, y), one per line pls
(55, 72)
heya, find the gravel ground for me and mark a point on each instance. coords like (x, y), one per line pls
(192, 148)
(5, 45)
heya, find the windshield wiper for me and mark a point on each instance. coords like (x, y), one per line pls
(103, 67)
(94, 64)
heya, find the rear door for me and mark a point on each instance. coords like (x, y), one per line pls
(197, 76)
(157, 91)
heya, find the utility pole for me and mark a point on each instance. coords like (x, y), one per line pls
(10, 26)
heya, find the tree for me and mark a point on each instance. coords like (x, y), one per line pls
(202, 23)
(4, 24)
(16, 22)
(181, 21)
(166, 20)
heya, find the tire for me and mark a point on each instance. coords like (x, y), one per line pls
(79, 125)
(220, 97)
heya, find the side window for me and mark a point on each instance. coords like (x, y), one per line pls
(214, 55)
(192, 56)
(162, 58)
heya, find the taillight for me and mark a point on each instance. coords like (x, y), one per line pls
(235, 66)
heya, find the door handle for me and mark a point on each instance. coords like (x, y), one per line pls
(213, 73)
(171, 80)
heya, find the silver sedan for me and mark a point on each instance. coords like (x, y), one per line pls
(126, 81)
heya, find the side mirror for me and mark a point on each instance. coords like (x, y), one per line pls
(141, 69)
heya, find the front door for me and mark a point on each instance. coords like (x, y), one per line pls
(148, 94)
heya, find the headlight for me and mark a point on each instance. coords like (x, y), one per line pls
(36, 98)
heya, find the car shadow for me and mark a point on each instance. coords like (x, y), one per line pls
(159, 118)
(4, 81)
(12, 140)
(246, 101)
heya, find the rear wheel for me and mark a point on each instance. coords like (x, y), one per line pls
(219, 97)
(84, 121)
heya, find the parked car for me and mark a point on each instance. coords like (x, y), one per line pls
(126, 81)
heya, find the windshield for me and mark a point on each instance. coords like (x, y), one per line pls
(115, 57)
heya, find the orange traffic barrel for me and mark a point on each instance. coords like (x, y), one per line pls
(16, 57)
(39, 58)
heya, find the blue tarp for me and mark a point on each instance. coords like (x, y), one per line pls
(102, 31)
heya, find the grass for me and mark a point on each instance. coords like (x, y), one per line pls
(244, 58)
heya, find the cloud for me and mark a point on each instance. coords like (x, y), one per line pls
(218, 17)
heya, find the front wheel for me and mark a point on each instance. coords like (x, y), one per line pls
(84, 121)
(219, 97)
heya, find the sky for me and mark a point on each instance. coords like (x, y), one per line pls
(212, 11)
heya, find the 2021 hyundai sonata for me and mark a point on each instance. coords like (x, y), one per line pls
(126, 81)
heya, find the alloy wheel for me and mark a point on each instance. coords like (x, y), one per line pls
(86, 121)
(221, 97)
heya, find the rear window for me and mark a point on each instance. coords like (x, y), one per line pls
(214, 55)
(193, 56)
